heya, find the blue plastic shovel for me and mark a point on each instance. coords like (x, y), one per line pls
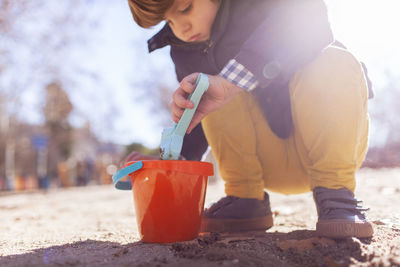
(172, 137)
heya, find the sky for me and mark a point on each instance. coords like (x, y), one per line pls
(116, 103)
(368, 28)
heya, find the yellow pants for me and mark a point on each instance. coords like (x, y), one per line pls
(327, 146)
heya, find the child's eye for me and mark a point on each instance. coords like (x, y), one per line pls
(186, 9)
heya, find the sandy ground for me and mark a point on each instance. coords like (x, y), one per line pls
(95, 226)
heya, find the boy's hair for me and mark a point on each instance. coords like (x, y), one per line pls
(148, 13)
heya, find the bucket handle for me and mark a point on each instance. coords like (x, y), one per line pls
(125, 185)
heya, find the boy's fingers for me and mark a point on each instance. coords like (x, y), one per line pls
(179, 98)
(188, 84)
(175, 118)
(196, 120)
(180, 101)
(176, 111)
(191, 78)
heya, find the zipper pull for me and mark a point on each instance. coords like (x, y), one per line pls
(208, 46)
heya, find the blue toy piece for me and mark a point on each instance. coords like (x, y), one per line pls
(125, 185)
(172, 137)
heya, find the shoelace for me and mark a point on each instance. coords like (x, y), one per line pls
(336, 200)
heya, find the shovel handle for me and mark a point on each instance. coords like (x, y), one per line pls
(125, 185)
(202, 84)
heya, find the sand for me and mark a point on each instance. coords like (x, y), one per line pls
(96, 226)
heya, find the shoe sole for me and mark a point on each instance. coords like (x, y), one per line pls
(343, 229)
(236, 225)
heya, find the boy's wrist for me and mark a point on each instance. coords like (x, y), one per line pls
(229, 88)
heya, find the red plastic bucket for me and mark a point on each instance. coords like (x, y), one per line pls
(169, 199)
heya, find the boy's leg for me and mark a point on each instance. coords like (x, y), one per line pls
(230, 132)
(250, 158)
(283, 171)
(329, 107)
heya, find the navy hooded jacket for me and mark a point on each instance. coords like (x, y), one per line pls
(286, 34)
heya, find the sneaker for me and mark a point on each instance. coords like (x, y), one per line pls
(340, 215)
(233, 214)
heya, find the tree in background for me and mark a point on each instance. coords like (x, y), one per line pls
(3, 132)
(8, 98)
(38, 41)
(384, 110)
(56, 111)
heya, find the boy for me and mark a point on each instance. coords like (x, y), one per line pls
(285, 111)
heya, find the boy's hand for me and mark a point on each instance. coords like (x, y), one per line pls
(218, 94)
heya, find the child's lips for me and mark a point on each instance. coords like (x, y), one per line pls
(194, 37)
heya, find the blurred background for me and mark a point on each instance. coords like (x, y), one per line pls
(78, 89)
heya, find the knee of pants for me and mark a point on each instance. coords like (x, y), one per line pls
(233, 120)
(231, 134)
(249, 154)
(329, 108)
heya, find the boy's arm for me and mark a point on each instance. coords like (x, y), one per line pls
(292, 35)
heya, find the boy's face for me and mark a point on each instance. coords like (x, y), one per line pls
(191, 20)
